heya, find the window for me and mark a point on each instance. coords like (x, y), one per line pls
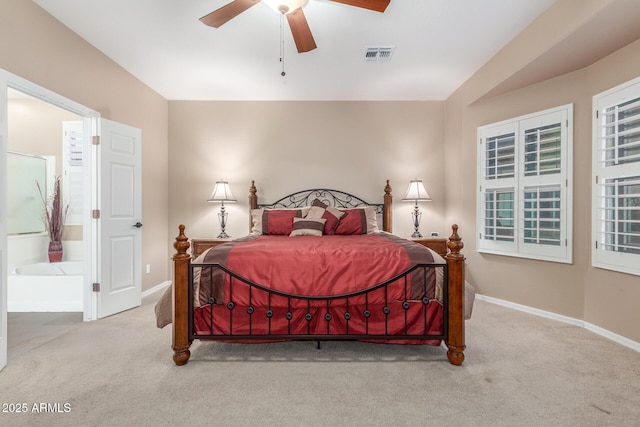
(616, 179)
(525, 200)
(499, 215)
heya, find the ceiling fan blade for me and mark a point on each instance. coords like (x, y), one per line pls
(301, 31)
(227, 12)
(375, 5)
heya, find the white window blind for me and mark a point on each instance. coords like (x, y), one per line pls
(621, 133)
(616, 181)
(500, 156)
(621, 215)
(499, 215)
(525, 203)
(542, 147)
(542, 215)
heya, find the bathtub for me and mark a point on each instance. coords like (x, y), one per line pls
(46, 286)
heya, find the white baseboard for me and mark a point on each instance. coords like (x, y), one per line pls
(531, 310)
(613, 337)
(156, 288)
(564, 319)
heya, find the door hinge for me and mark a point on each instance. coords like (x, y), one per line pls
(95, 140)
(96, 287)
(95, 214)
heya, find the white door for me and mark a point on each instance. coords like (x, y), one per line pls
(120, 206)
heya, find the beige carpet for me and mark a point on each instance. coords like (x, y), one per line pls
(30, 330)
(520, 370)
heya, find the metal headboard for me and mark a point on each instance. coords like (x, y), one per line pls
(337, 199)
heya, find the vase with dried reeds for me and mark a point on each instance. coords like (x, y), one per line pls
(54, 215)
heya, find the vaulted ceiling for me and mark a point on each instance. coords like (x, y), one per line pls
(438, 44)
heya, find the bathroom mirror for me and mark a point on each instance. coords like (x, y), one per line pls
(24, 203)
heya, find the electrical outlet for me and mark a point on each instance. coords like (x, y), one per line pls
(148, 268)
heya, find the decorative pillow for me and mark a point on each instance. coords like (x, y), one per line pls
(358, 221)
(319, 203)
(307, 227)
(315, 212)
(331, 214)
(256, 221)
(274, 221)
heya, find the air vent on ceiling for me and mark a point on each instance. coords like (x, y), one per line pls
(379, 53)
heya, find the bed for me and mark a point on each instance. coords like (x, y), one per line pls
(316, 267)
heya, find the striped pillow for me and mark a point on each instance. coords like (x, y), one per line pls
(274, 221)
(331, 214)
(307, 227)
(358, 221)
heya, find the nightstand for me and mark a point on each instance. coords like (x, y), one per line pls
(198, 246)
(437, 244)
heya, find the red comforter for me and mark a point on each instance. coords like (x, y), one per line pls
(324, 266)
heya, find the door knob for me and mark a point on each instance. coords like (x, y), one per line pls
(137, 224)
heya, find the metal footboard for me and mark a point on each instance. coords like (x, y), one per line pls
(348, 316)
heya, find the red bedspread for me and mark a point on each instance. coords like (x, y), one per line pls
(326, 266)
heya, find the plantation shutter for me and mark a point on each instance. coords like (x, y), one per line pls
(525, 200)
(544, 185)
(497, 212)
(616, 210)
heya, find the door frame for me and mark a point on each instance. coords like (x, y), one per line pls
(90, 119)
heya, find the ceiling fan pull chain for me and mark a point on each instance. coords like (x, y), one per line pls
(282, 43)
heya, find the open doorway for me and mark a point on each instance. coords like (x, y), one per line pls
(111, 208)
(44, 143)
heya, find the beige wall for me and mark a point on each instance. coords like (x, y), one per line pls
(45, 139)
(291, 146)
(355, 146)
(602, 298)
(611, 299)
(36, 47)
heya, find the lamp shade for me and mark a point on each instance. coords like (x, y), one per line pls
(416, 192)
(221, 193)
(285, 6)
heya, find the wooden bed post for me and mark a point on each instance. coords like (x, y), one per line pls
(386, 210)
(455, 262)
(253, 198)
(253, 202)
(181, 261)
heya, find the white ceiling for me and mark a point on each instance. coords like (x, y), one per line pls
(438, 45)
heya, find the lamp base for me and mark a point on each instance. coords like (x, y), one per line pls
(416, 214)
(223, 235)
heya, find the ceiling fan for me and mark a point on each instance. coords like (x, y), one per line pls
(293, 11)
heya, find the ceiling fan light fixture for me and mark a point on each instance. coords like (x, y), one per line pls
(286, 6)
